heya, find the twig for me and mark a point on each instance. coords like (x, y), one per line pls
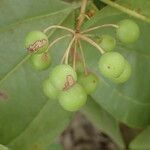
(127, 10)
(59, 27)
(56, 40)
(91, 42)
(68, 50)
(74, 54)
(101, 26)
(82, 15)
(83, 57)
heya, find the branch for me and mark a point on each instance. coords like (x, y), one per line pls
(91, 42)
(57, 40)
(68, 50)
(83, 57)
(58, 27)
(126, 10)
(101, 26)
(81, 15)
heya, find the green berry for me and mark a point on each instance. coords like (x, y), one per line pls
(89, 82)
(49, 90)
(128, 31)
(111, 64)
(73, 98)
(36, 42)
(41, 61)
(125, 74)
(107, 42)
(63, 76)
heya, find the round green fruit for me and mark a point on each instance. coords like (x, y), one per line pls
(73, 99)
(41, 61)
(63, 76)
(125, 74)
(49, 90)
(89, 82)
(111, 64)
(107, 42)
(36, 42)
(128, 31)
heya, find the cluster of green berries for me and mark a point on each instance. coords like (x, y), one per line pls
(112, 64)
(71, 86)
(71, 91)
(37, 44)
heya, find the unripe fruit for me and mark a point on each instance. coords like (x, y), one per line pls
(111, 64)
(128, 31)
(89, 82)
(125, 74)
(36, 42)
(41, 61)
(63, 76)
(49, 90)
(107, 42)
(73, 98)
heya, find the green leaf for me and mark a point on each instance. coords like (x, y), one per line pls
(103, 121)
(136, 8)
(55, 146)
(48, 124)
(2, 147)
(141, 142)
(129, 101)
(28, 120)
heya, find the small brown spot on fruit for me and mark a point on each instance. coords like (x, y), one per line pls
(69, 82)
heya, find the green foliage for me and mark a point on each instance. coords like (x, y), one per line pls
(55, 146)
(141, 142)
(103, 121)
(2, 147)
(28, 120)
(126, 102)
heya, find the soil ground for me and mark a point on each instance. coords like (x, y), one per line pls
(82, 135)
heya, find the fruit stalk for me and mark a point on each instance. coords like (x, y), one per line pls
(83, 57)
(81, 15)
(101, 26)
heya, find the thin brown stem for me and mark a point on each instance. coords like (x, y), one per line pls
(81, 15)
(127, 10)
(91, 42)
(83, 57)
(63, 58)
(97, 27)
(74, 54)
(58, 27)
(66, 56)
(57, 40)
